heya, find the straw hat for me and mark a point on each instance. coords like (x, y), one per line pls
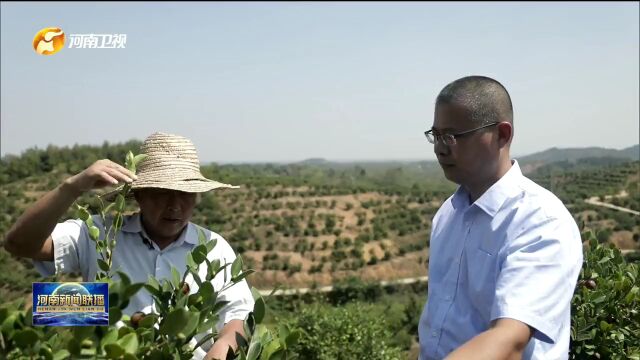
(171, 163)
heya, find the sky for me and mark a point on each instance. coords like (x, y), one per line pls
(280, 82)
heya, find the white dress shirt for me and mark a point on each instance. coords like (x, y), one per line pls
(516, 252)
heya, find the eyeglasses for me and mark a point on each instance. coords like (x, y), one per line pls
(450, 139)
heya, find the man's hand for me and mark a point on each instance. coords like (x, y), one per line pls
(505, 340)
(218, 351)
(227, 338)
(30, 236)
(100, 174)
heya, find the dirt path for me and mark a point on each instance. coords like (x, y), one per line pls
(300, 291)
(594, 201)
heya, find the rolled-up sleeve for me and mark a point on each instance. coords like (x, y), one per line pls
(538, 276)
(71, 250)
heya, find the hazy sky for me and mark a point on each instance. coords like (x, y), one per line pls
(342, 81)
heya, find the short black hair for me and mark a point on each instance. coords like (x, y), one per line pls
(486, 99)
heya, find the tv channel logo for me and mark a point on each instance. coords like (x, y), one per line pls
(48, 41)
(71, 303)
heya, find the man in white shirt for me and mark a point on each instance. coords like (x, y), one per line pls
(150, 242)
(505, 253)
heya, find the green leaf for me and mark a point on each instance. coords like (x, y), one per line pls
(244, 274)
(153, 282)
(194, 300)
(211, 244)
(218, 306)
(128, 356)
(206, 290)
(270, 348)
(256, 293)
(166, 285)
(73, 346)
(126, 281)
(103, 265)
(191, 264)
(152, 290)
(254, 351)
(201, 237)
(174, 322)
(117, 223)
(26, 338)
(632, 295)
(113, 351)
(192, 323)
(259, 310)
(204, 339)
(138, 158)
(208, 325)
(109, 338)
(283, 333)
(108, 208)
(175, 277)
(132, 290)
(196, 277)
(236, 267)
(292, 339)
(182, 303)
(61, 354)
(45, 353)
(128, 161)
(199, 254)
(214, 268)
(83, 332)
(114, 315)
(148, 321)
(82, 213)
(129, 343)
(250, 324)
(278, 354)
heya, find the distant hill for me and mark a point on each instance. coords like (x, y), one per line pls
(314, 161)
(571, 155)
(632, 152)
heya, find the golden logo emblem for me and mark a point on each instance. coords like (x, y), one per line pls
(48, 41)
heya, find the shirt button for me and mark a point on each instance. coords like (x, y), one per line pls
(434, 333)
(447, 297)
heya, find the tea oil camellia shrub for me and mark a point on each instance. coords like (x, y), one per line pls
(605, 309)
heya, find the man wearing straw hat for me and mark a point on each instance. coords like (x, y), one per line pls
(167, 187)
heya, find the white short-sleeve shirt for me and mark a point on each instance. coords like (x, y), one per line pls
(138, 257)
(516, 252)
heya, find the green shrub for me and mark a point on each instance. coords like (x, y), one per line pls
(347, 332)
(606, 306)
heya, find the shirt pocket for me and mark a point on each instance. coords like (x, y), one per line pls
(481, 276)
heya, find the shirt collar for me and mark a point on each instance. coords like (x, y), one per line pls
(492, 200)
(133, 224)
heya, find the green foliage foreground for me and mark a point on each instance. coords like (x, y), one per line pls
(605, 309)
